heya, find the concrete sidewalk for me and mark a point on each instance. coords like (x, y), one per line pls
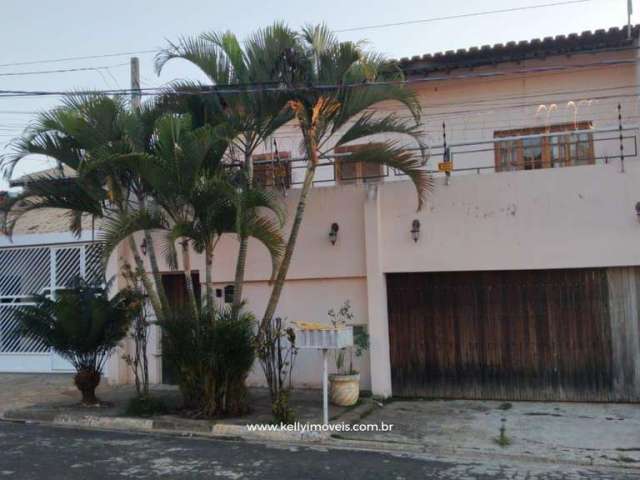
(54, 399)
(591, 434)
(556, 433)
(19, 390)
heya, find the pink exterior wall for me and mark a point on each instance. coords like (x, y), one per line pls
(553, 218)
(569, 217)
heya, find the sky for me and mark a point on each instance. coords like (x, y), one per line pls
(43, 30)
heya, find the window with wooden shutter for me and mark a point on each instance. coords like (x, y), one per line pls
(269, 171)
(564, 145)
(347, 171)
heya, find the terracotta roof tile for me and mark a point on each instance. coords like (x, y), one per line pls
(513, 51)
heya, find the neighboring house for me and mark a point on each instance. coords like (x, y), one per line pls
(519, 279)
(41, 257)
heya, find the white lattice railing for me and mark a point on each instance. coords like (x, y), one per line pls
(25, 271)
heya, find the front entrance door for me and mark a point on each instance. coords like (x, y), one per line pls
(175, 286)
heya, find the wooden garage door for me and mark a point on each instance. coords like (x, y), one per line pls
(521, 335)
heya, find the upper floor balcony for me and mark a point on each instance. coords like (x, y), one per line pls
(509, 150)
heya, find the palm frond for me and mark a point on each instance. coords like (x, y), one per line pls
(393, 156)
(355, 100)
(320, 38)
(268, 232)
(368, 125)
(49, 144)
(168, 250)
(119, 227)
(53, 192)
(202, 53)
(259, 198)
(265, 49)
(229, 45)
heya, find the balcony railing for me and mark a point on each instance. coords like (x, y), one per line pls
(609, 145)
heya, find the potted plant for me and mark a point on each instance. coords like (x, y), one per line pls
(344, 387)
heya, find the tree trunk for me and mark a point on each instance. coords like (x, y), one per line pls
(87, 380)
(146, 282)
(291, 243)
(186, 264)
(238, 283)
(241, 262)
(208, 277)
(153, 262)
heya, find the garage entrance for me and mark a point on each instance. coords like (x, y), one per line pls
(512, 335)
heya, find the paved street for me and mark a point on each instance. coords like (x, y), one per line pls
(35, 452)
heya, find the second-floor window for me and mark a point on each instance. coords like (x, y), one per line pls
(544, 147)
(347, 171)
(269, 171)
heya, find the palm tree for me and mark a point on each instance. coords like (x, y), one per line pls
(251, 117)
(196, 199)
(88, 134)
(333, 90)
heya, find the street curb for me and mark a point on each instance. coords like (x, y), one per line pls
(194, 428)
(176, 426)
(112, 423)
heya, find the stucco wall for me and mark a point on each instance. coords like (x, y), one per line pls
(556, 218)
(473, 107)
(310, 300)
(560, 218)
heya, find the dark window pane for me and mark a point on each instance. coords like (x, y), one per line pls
(348, 170)
(532, 153)
(228, 294)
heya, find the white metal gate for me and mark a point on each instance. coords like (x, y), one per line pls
(29, 270)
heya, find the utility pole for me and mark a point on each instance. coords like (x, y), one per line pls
(629, 12)
(136, 94)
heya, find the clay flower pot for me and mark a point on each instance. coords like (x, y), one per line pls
(344, 390)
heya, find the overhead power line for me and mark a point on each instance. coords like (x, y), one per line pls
(350, 29)
(64, 70)
(462, 15)
(466, 112)
(228, 89)
(85, 57)
(501, 101)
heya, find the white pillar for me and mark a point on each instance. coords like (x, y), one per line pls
(376, 296)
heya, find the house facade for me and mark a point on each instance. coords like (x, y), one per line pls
(42, 257)
(520, 277)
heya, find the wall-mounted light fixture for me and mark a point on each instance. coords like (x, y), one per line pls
(333, 233)
(638, 210)
(415, 230)
(143, 247)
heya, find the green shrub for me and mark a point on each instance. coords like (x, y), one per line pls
(83, 326)
(277, 352)
(212, 354)
(146, 406)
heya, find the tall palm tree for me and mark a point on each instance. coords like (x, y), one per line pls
(251, 117)
(333, 90)
(88, 134)
(196, 199)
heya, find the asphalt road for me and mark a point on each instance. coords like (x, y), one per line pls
(39, 452)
